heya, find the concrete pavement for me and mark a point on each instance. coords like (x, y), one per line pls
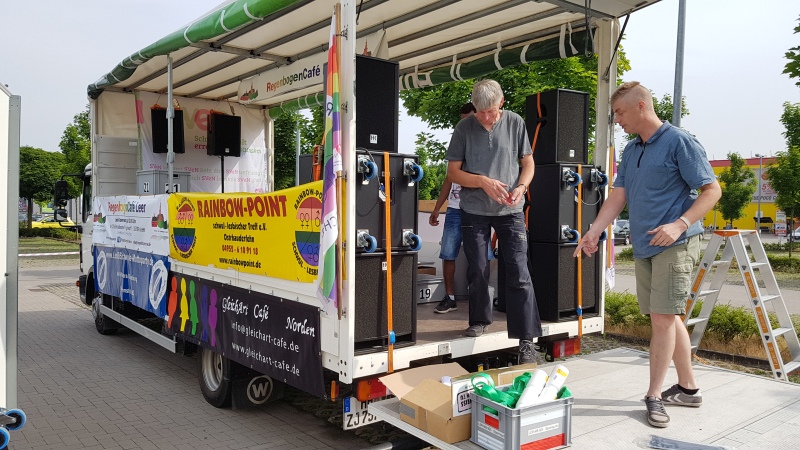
(82, 390)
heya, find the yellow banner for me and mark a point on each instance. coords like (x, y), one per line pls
(275, 234)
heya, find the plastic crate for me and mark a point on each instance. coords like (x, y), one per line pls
(537, 427)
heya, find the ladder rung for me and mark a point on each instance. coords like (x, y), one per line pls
(781, 331)
(696, 320)
(758, 265)
(791, 366)
(720, 262)
(704, 293)
(767, 298)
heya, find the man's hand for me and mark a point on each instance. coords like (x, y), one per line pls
(667, 234)
(434, 219)
(588, 243)
(496, 190)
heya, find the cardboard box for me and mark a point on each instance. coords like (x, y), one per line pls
(426, 403)
(426, 270)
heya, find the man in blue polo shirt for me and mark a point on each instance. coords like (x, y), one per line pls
(659, 177)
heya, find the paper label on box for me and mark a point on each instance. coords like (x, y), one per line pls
(408, 411)
(462, 403)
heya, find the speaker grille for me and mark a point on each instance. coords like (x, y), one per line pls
(564, 130)
(377, 103)
(158, 118)
(224, 135)
(371, 312)
(555, 285)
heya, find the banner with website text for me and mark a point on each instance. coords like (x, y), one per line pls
(275, 234)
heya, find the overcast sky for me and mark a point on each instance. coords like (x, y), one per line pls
(733, 83)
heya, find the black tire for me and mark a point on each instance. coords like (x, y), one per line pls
(103, 324)
(215, 378)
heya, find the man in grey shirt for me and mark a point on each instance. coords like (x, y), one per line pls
(484, 157)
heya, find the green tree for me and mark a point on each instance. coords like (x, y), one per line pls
(439, 105)
(792, 67)
(431, 157)
(791, 121)
(784, 176)
(664, 109)
(38, 172)
(76, 146)
(738, 186)
(286, 143)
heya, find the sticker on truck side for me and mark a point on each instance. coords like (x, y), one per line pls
(355, 413)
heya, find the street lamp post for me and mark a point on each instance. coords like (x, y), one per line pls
(760, 166)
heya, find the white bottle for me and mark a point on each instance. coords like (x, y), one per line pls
(554, 383)
(532, 389)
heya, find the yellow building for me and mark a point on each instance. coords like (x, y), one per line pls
(768, 209)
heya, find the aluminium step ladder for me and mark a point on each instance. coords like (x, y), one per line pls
(751, 271)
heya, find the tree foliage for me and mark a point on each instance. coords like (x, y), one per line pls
(38, 172)
(76, 145)
(791, 121)
(431, 157)
(286, 143)
(792, 67)
(784, 176)
(439, 105)
(738, 186)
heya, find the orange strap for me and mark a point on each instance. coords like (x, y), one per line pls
(388, 229)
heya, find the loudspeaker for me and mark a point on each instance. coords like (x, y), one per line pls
(370, 297)
(555, 280)
(562, 117)
(224, 135)
(377, 103)
(370, 207)
(554, 202)
(158, 118)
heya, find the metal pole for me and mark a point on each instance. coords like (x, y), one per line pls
(297, 152)
(678, 95)
(170, 115)
(760, 165)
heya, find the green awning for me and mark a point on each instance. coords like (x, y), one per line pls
(215, 24)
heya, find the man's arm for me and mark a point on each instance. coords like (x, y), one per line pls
(668, 233)
(525, 178)
(611, 208)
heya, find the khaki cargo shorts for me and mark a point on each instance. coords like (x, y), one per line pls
(663, 280)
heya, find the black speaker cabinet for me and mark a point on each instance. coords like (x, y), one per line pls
(371, 309)
(555, 280)
(370, 211)
(377, 103)
(563, 120)
(159, 121)
(224, 135)
(554, 202)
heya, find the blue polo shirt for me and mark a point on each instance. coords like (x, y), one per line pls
(661, 178)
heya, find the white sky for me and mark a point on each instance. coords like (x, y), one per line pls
(733, 83)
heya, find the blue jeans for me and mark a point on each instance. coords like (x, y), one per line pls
(522, 314)
(451, 235)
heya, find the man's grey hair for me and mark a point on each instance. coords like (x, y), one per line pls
(486, 94)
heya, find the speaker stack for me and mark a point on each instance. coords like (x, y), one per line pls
(377, 106)
(558, 124)
(224, 136)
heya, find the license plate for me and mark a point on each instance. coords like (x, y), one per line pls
(355, 413)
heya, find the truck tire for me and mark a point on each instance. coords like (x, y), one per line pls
(215, 378)
(104, 325)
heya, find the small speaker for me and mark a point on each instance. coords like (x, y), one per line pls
(224, 135)
(554, 202)
(159, 120)
(377, 103)
(370, 298)
(555, 280)
(562, 119)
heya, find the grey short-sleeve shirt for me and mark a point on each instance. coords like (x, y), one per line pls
(494, 154)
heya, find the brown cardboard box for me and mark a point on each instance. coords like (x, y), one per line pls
(426, 403)
(426, 270)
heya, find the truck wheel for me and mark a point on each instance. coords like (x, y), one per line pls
(215, 378)
(104, 325)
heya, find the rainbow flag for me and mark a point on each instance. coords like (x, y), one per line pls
(329, 228)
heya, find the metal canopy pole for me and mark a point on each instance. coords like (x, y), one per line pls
(677, 98)
(170, 116)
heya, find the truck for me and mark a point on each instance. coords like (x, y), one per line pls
(186, 242)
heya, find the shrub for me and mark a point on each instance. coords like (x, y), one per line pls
(728, 321)
(784, 264)
(57, 233)
(624, 255)
(622, 308)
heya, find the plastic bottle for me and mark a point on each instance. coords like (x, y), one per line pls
(554, 382)
(532, 389)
